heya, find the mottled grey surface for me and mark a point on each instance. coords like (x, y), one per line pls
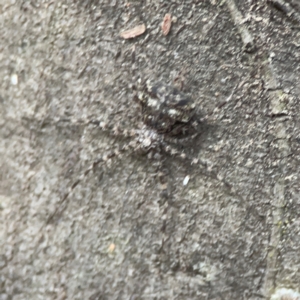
(231, 233)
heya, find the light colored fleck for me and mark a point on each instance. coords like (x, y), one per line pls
(14, 79)
(174, 19)
(173, 112)
(153, 102)
(111, 248)
(285, 294)
(133, 32)
(186, 180)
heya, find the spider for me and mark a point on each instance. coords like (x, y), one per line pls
(168, 119)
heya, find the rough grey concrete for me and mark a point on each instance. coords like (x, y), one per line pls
(231, 233)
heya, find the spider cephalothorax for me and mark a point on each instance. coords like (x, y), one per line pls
(164, 107)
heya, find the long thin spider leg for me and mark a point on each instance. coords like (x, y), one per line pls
(102, 159)
(105, 127)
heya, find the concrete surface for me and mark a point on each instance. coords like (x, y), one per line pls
(231, 233)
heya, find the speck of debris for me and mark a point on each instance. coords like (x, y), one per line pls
(166, 24)
(186, 180)
(14, 79)
(111, 248)
(133, 32)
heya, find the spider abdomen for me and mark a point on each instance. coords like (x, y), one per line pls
(164, 106)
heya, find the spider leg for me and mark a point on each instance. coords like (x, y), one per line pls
(180, 141)
(135, 145)
(195, 161)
